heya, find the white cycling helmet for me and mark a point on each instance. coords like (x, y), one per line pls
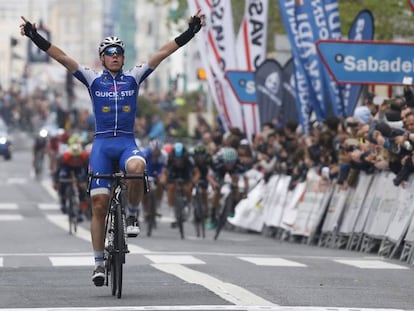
(110, 41)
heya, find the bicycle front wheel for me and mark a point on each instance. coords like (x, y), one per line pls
(118, 257)
(199, 215)
(179, 214)
(222, 217)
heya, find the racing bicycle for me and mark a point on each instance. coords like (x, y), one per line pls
(116, 246)
(71, 201)
(226, 209)
(200, 210)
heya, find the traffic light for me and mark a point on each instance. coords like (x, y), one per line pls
(201, 74)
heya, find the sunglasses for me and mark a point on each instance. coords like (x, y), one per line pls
(111, 51)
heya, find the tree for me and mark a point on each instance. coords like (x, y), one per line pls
(393, 19)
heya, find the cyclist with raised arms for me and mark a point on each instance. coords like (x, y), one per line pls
(225, 161)
(114, 94)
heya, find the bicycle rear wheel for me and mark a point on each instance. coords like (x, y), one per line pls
(179, 213)
(150, 217)
(199, 215)
(222, 217)
(70, 204)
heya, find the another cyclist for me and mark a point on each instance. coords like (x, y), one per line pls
(202, 160)
(225, 161)
(180, 166)
(114, 95)
(74, 161)
(156, 158)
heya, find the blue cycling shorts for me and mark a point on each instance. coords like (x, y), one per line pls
(107, 155)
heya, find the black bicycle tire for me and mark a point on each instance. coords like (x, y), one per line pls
(69, 207)
(38, 163)
(222, 219)
(113, 274)
(151, 214)
(179, 209)
(120, 249)
(199, 217)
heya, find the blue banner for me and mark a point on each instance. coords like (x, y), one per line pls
(305, 42)
(243, 85)
(368, 62)
(325, 24)
(305, 98)
(362, 28)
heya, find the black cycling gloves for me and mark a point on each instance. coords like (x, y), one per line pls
(37, 39)
(194, 26)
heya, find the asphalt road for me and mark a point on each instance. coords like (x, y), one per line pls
(44, 268)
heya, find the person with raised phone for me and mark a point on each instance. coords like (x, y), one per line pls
(114, 94)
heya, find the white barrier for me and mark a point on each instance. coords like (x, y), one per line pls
(374, 210)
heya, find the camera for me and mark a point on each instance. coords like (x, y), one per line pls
(407, 146)
(404, 172)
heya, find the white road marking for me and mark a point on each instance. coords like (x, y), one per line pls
(272, 261)
(10, 217)
(48, 206)
(203, 308)
(16, 181)
(47, 184)
(1, 262)
(66, 261)
(371, 264)
(8, 206)
(230, 292)
(185, 260)
(62, 222)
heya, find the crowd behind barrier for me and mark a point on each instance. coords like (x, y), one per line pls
(343, 183)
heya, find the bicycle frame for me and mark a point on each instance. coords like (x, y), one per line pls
(180, 203)
(115, 227)
(72, 199)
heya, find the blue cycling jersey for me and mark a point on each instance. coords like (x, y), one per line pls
(114, 99)
(155, 166)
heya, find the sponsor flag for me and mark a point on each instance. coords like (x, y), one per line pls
(411, 3)
(304, 39)
(252, 36)
(216, 47)
(269, 90)
(362, 28)
(289, 107)
(368, 62)
(251, 52)
(305, 97)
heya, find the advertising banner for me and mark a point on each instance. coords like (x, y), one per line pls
(289, 102)
(216, 45)
(362, 28)
(367, 62)
(252, 37)
(305, 98)
(269, 90)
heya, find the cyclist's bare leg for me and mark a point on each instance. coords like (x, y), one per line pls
(188, 187)
(171, 189)
(160, 189)
(135, 186)
(99, 210)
